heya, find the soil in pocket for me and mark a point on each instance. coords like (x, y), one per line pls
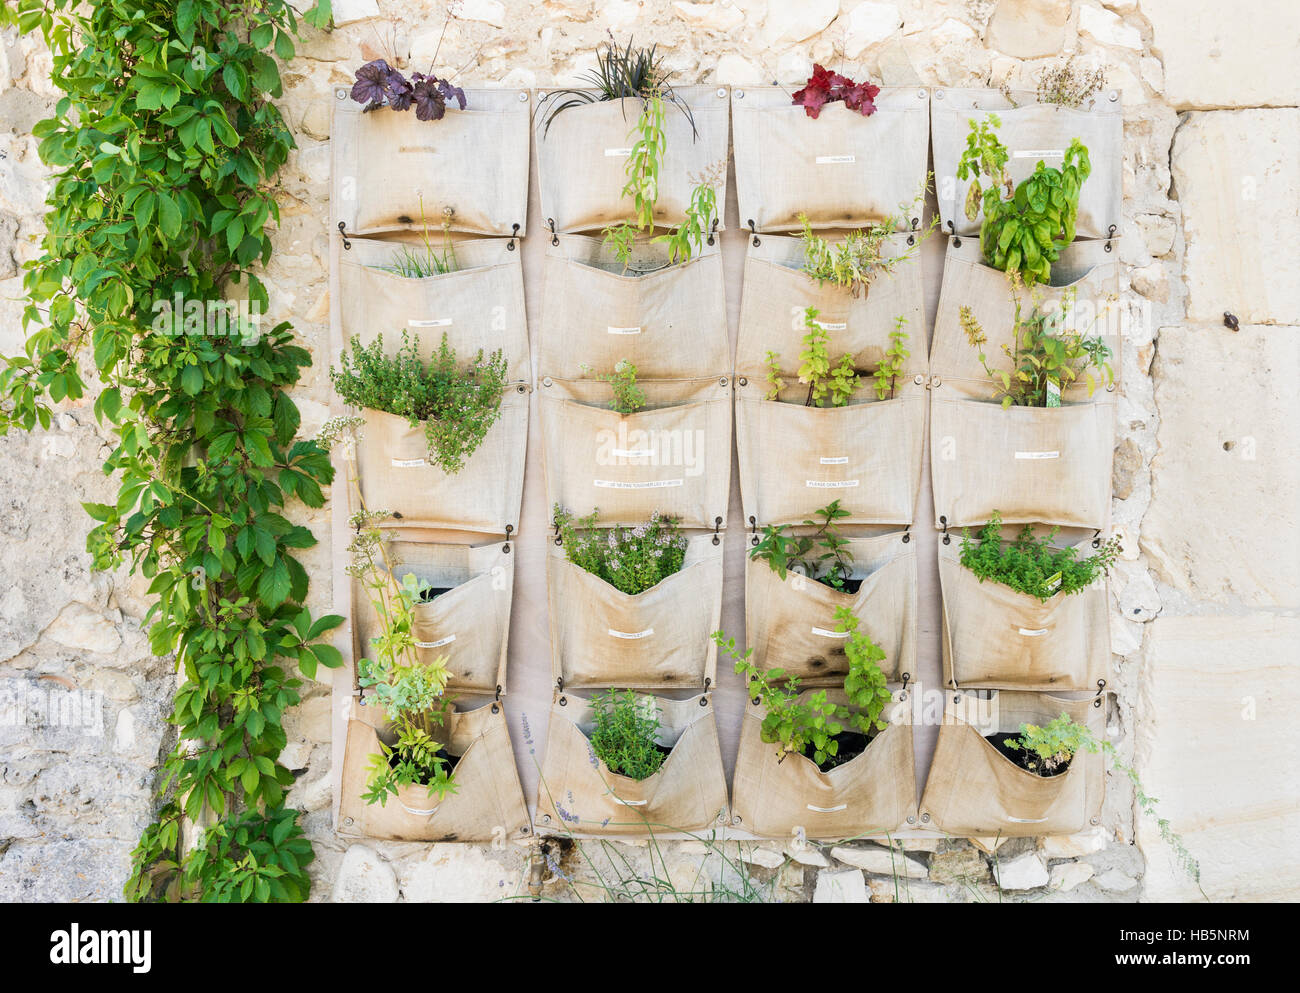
(1023, 757)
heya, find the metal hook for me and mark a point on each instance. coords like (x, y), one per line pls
(753, 527)
(717, 524)
(943, 520)
(555, 239)
(347, 245)
(956, 239)
(907, 534)
(510, 245)
(509, 530)
(556, 522)
(1109, 235)
(754, 231)
(713, 230)
(1101, 685)
(1096, 539)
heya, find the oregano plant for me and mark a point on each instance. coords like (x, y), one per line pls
(163, 151)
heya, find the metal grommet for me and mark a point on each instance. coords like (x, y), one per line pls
(936, 382)
(938, 94)
(918, 379)
(496, 709)
(911, 820)
(1094, 821)
(722, 381)
(956, 698)
(911, 239)
(546, 381)
(920, 94)
(525, 829)
(704, 701)
(756, 701)
(902, 696)
(564, 701)
(925, 818)
(739, 94)
(743, 381)
(341, 94)
(722, 92)
(1110, 387)
(546, 818)
(735, 819)
(348, 821)
(1114, 95)
(523, 96)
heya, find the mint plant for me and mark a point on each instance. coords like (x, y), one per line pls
(823, 555)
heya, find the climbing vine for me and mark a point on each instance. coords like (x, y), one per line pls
(163, 149)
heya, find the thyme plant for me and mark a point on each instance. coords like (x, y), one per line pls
(1031, 565)
(632, 560)
(625, 734)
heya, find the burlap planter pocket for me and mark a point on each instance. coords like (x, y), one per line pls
(843, 170)
(1050, 465)
(872, 793)
(469, 623)
(777, 292)
(996, 637)
(487, 806)
(973, 789)
(673, 456)
(395, 475)
(670, 322)
(795, 459)
(1032, 132)
(1085, 273)
(473, 162)
(579, 795)
(479, 306)
(582, 157)
(790, 623)
(658, 639)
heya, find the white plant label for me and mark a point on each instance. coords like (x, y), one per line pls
(409, 463)
(823, 633)
(436, 644)
(614, 330)
(832, 325)
(440, 322)
(618, 153)
(651, 484)
(631, 635)
(1038, 455)
(1039, 153)
(632, 453)
(1032, 632)
(836, 159)
(834, 460)
(831, 484)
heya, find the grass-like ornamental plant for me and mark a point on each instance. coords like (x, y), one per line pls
(1047, 354)
(426, 259)
(631, 560)
(456, 405)
(1031, 565)
(620, 73)
(624, 737)
(813, 726)
(1025, 230)
(822, 556)
(860, 258)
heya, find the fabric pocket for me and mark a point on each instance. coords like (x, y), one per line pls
(842, 169)
(994, 636)
(790, 623)
(671, 322)
(488, 804)
(393, 172)
(975, 790)
(468, 623)
(1032, 132)
(777, 292)
(1048, 465)
(1086, 278)
(581, 158)
(657, 639)
(396, 477)
(579, 795)
(479, 306)
(872, 793)
(673, 456)
(868, 455)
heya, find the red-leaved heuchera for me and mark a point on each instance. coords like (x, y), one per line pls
(825, 86)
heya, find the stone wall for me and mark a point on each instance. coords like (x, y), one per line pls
(1206, 487)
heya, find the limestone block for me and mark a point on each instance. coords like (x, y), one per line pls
(868, 24)
(364, 877)
(791, 23)
(1028, 28)
(1222, 524)
(880, 862)
(1025, 872)
(453, 873)
(1217, 745)
(846, 886)
(1214, 60)
(1234, 172)
(1108, 28)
